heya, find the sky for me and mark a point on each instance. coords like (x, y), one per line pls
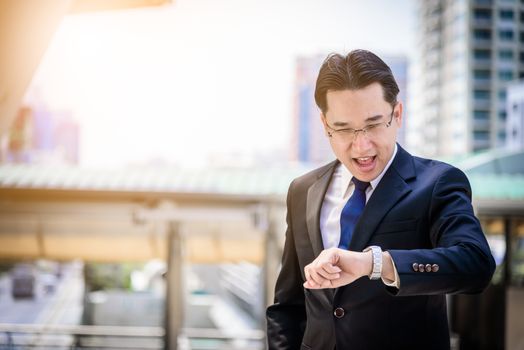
(199, 79)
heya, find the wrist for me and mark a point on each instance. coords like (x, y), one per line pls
(388, 271)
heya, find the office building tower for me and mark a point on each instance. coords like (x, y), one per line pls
(468, 53)
(309, 142)
(515, 117)
(39, 135)
(20, 139)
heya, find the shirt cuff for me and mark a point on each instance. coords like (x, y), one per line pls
(396, 282)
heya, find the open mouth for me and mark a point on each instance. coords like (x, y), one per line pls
(365, 164)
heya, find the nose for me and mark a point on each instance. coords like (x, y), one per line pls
(361, 142)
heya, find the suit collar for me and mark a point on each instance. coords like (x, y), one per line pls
(404, 164)
(315, 198)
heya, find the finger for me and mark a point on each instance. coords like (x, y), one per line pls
(309, 281)
(311, 285)
(332, 268)
(329, 271)
(328, 276)
(315, 276)
(306, 272)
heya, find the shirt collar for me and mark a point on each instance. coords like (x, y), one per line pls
(374, 183)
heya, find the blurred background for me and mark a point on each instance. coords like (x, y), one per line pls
(146, 147)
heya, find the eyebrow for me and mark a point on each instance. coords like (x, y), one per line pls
(368, 120)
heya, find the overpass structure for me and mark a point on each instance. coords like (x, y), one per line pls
(182, 217)
(111, 216)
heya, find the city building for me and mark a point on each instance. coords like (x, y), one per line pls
(515, 117)
(309, 141)
(468, 53)
(39, 135)
(20, 137)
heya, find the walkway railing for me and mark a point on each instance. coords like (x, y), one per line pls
(76, 337)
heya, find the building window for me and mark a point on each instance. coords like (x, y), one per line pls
(480, 115)
(505, 75)
(481, 94)
(522, 16)
(506, 14)
(521, 74)
(502, 135)
(485, 54)
(482, 14)
(506, 55)
(522, 37)
(506, 34)
(481, 74)
(502, 94)
(481, 135)
(503, 115)
(482, 34)
(521, 57)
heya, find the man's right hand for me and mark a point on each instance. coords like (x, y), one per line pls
(336, 267)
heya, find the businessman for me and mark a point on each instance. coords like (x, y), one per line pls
(376, 238)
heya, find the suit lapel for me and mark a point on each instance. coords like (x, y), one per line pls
(391, 188)
(315, 197)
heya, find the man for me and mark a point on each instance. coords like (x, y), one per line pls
(378, 237)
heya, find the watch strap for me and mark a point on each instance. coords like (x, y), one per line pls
(376, 253)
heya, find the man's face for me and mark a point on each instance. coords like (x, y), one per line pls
(365, 154)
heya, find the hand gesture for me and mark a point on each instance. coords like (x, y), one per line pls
(336, 267)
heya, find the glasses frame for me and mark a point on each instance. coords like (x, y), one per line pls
(364, 130)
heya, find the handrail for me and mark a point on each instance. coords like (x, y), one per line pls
(115, 331)
(129, 331)
(105, 333)
(213, 333)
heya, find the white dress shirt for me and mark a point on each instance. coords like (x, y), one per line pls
(338, 193)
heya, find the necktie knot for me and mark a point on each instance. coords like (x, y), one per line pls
(360, 185)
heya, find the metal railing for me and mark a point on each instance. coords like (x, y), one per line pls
(218, 339)
(76, 337)
(39, 336)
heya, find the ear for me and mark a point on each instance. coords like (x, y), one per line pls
(397, 113)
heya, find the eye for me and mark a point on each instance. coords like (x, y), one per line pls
(371, 126)
(346, 131)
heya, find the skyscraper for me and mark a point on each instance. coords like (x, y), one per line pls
(309, 142)
(515, 119)
(468, 53)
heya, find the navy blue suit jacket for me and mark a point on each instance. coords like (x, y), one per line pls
(421, 213)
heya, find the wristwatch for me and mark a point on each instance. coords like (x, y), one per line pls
(376, 253)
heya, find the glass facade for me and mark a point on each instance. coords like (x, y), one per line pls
(491, 56)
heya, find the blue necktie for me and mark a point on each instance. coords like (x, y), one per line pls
(351, 212)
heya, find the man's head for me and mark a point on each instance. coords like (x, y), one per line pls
(357, 96)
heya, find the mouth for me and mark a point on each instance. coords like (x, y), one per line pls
(365, 164)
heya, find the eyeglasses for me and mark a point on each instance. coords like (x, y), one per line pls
(371, 131)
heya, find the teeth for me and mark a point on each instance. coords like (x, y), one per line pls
(363, 159)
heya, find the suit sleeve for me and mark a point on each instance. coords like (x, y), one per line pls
(286, 318)
(460, 247)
